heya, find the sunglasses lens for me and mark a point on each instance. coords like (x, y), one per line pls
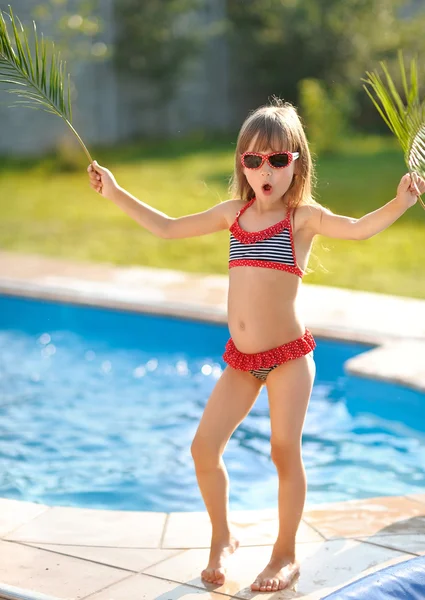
(251, 161)
(279, 160)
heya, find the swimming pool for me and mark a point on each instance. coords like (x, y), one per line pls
(98, 408)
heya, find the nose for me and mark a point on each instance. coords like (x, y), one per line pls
(266, 170)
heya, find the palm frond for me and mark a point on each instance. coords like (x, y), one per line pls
(38, 85)
(405, 118)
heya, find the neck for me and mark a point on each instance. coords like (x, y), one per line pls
(267, 204)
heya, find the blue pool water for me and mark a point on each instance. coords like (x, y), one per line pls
(98, 409)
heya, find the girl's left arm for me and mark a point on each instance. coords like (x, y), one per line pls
(323, 222)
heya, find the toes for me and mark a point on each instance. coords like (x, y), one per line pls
(255, 587)
(275, 585)
(206, 575)
(219, 576)
(266, 586)
(216, 576)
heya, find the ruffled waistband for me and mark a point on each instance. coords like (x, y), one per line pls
(264, 360)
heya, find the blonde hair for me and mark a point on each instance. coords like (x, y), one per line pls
(276, 126)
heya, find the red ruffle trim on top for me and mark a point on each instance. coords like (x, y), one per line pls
(250, 237)
(266, 264)
(270, 358)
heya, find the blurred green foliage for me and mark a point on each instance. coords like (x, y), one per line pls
(278, 43)
(274, 43)
(325, 114)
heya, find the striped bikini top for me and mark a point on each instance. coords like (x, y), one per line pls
(271, 248)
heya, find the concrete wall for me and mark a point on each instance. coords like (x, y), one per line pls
(109, 107)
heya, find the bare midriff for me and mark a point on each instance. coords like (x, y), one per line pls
(262, 308)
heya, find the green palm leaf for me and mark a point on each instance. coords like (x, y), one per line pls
(30, 79)
(406, 119)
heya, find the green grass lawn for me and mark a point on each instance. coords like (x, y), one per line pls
(53, 212)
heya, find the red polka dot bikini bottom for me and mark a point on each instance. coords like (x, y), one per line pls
(262, 363)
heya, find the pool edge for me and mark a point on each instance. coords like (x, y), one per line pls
(395, 325)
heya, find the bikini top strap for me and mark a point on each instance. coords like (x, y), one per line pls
(243, 209)
(288, 217)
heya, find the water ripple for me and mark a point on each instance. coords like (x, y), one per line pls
(85, 423)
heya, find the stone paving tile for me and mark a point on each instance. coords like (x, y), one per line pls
(418, 497)
(324, 566)
(143, 587)
(53, 574)
(187, 530)
(373, 516)
(360, 312)
(412, 543)
(71, 526)
(132, 559)
(14, 513)
(193, 530)
(261, 527)
(384, 363)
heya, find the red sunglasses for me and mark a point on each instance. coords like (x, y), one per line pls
(277, 160)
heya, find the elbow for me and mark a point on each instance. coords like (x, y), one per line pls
(165, 231)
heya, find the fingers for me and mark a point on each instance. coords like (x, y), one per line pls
(95, 177)
(405, 183)
(412, 184)
(417, 184)
(94, 169)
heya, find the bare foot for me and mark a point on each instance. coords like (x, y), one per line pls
(278, 575)
(219, 554)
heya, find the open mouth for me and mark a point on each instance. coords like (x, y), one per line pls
(267, 187)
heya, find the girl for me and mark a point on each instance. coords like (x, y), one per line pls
(272, 220)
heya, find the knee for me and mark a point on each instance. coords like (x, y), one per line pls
(286, 455)
(205, 454)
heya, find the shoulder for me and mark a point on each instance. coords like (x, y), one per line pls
(231, 208)
(308, 217)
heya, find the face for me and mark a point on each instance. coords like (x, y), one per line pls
(268, 182)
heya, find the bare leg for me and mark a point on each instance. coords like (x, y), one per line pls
(230, 402)
(289, 387)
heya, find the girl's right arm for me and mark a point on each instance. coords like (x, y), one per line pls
(210, 221)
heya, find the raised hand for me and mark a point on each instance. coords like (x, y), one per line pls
(409, 189)
(102, 180)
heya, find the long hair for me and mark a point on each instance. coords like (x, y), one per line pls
(276, 126)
